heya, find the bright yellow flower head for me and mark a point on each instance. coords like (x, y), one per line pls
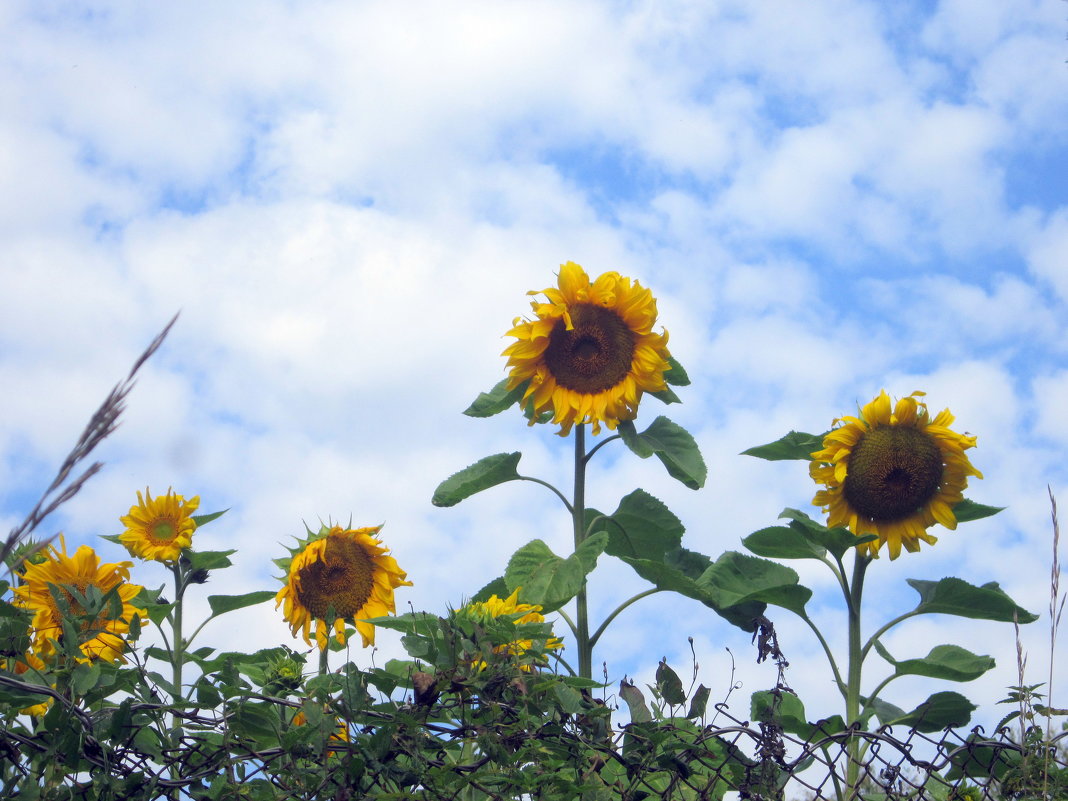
(893, 472)
(591, 352)
(99, 638)
(158, 529)
(337, 575)
(495, 607)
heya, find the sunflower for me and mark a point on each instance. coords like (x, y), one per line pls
(337, 575)
(99, 636)
(591, 352)
(158, 529)
(496, 607)
(893, 472)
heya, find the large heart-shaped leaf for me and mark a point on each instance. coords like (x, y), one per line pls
(548, 579)
(736, 578)
(642, 527)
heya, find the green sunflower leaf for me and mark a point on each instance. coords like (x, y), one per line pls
(410, 622)
(672, 444)
(970, 510)
(940, 711)
(676, 376)
(221, 604)
(884, 711)
(783, 542)
(496, 587)
(666, 395)
(680, 571)
(954, 596)
(735, 579)
(85, 677)
(642, 527)
(950, 662)
(633, 440)
(795, 445)
(496, 400)
(782, 708)
(483, 474)
(209, 560)
(548, 579)
(201, 520)
(677, 449)
(836, 540)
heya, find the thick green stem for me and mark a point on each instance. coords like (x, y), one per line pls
(578, 517)
(178, 652)
(856, 660)
(324, 660)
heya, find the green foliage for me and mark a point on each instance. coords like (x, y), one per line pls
(496, 400)
(795, 445)
(483, 474)
(550, 580)
(954, 596)
(671, 444)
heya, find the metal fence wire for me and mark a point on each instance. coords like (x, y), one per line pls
(733, 758)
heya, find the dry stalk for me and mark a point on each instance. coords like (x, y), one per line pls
(103, 422)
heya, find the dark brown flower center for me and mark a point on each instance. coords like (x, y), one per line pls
(342, 580)
(595, 355)
(893, 471)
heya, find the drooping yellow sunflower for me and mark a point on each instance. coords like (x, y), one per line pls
(337, 575)
(894, 472)
(495, 607)
(158, 529)
(591, 352)
(99, 638)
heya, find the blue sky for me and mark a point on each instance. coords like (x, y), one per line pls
(348, 203)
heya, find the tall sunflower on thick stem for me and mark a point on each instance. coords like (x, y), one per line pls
(590, 351)
(586, 358)
(889, 474)
(894, 472)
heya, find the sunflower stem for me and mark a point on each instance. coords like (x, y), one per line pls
(600, 445)
(324, 659)
(856, 660)
(578, 517)
(600, 630)
(830, 655)
(178, 650)
(556, 492)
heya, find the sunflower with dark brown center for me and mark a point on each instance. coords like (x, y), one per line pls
(893, 472)
(338, 575)
(591, 351)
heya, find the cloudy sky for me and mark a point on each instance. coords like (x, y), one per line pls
(348, 201)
